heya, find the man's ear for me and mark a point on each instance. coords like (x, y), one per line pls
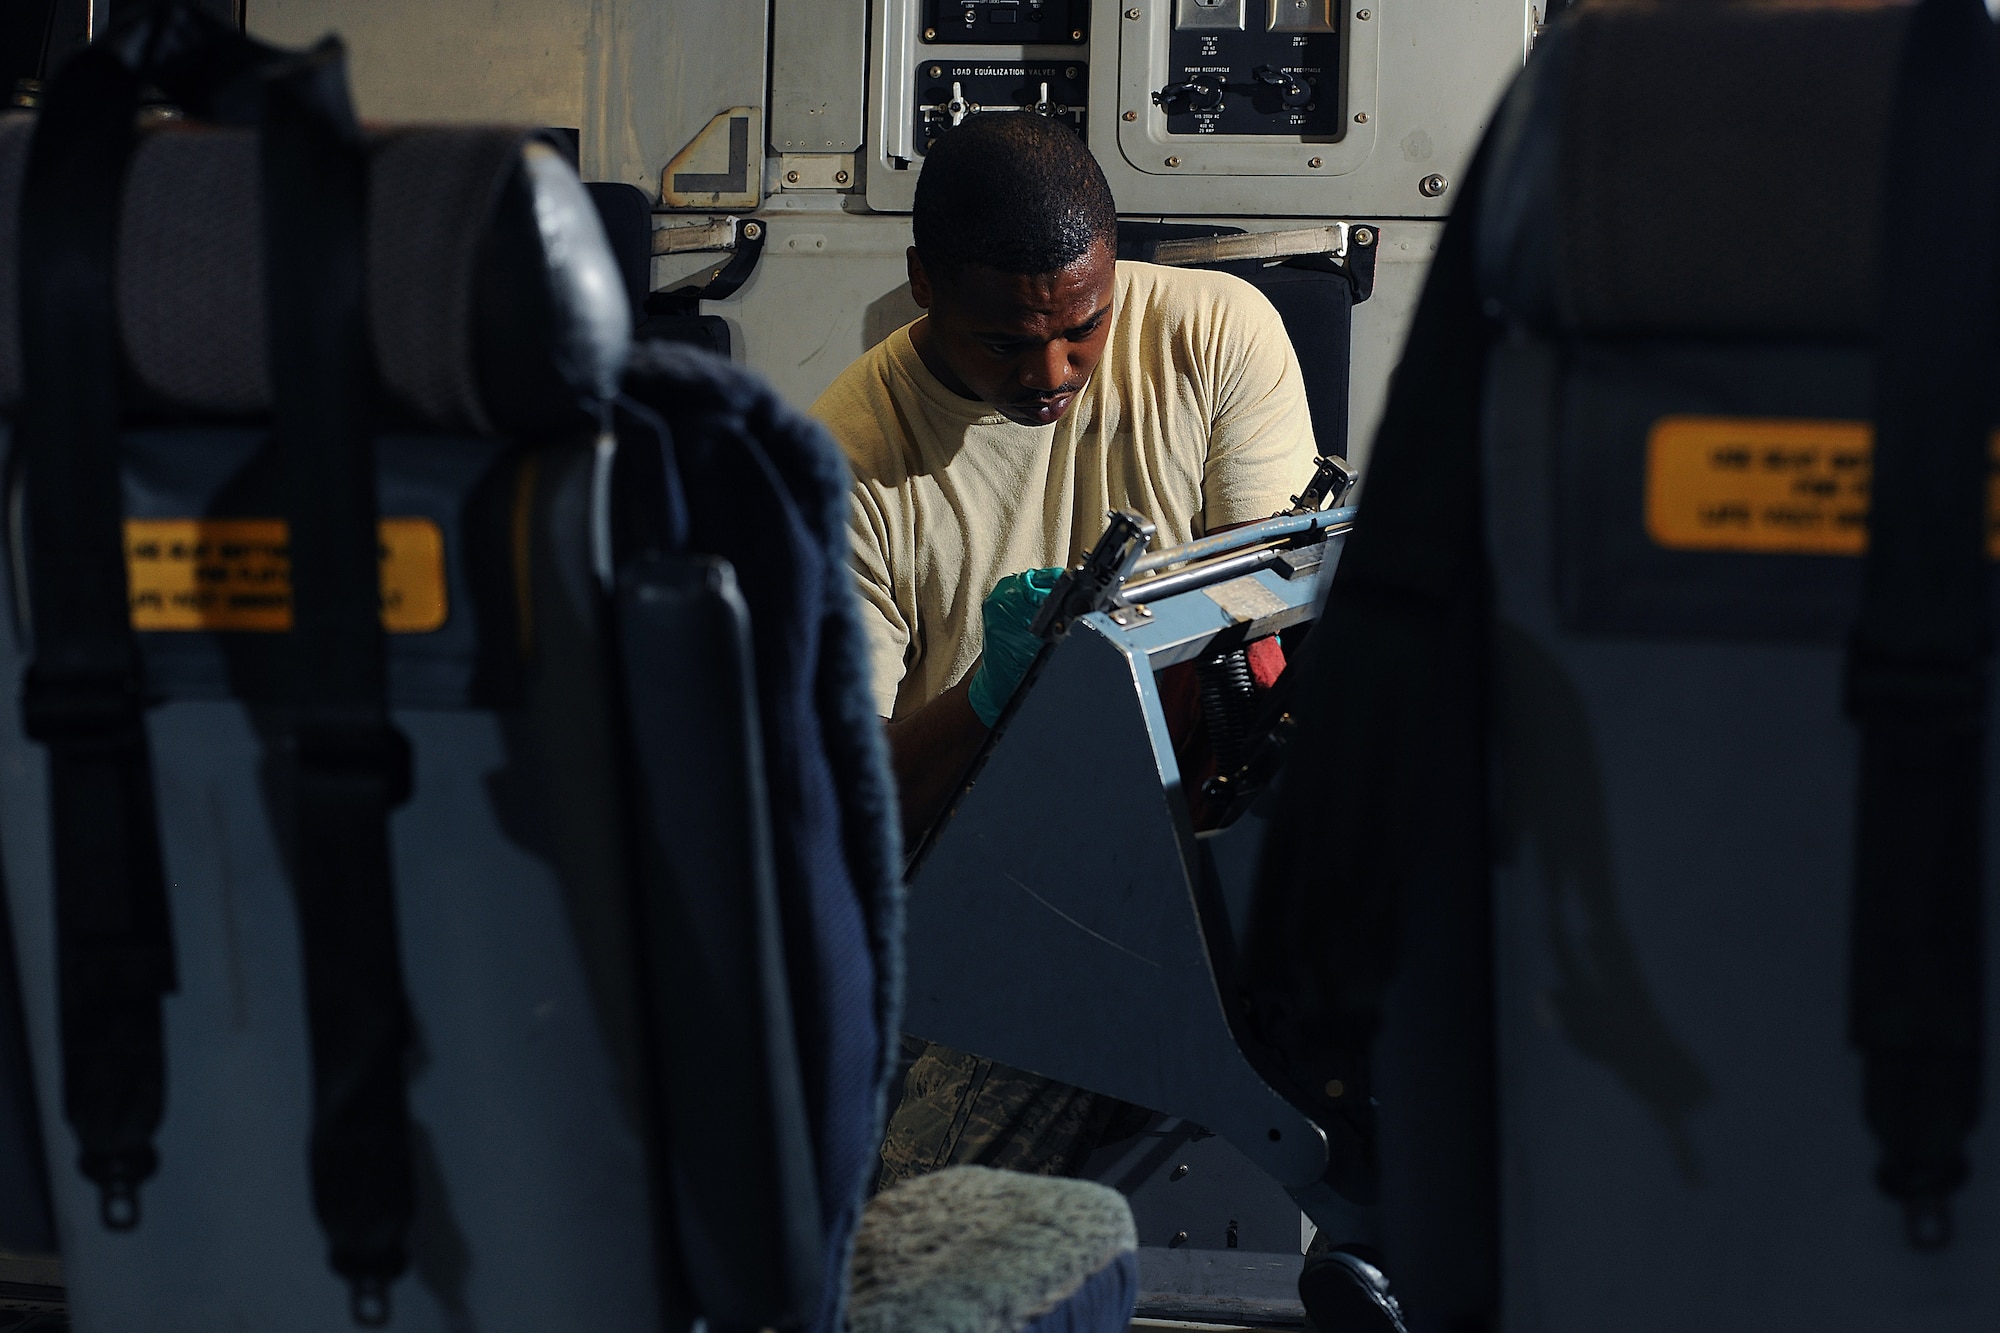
(920, 281)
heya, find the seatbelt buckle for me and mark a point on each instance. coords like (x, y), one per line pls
(63, 708)
(349, 750)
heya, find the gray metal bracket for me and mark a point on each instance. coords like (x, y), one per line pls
(1059, 923)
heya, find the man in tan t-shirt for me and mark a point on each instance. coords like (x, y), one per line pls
(1046, 385)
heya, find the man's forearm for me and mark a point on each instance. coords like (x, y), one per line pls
(930, 750)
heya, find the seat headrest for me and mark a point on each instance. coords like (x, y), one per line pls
(1683, 168)
(494, 304)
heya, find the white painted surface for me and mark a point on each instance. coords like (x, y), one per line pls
(638, 78)
(1382, 323)
(1437, 70)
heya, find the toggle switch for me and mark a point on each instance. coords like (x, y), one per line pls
(1204, 94)
(1209, 15)
(1301, 16)
(959, 107)
(1293, 92)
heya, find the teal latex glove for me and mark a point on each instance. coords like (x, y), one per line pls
(1010, 649)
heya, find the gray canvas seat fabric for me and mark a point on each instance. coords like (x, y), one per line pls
(1595, 939)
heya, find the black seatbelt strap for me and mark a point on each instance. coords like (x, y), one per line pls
(1399, 633)
(719, 283)
(83, 695)
(1917, 682)
(352, 766)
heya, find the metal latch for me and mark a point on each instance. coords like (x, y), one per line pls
(1095, 581)
(717, 233)
(1267, 245)
(1333, 478)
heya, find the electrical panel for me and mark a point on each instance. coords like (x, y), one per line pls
(1267, 88)
(1259, 67)
(1006, 22)
(1215, 108)
(948, 91)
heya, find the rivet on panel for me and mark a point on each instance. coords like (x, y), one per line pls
(1315, 163)
(840, 178)
(1076, 34)
(1131, 13)
(791, 178)
(1173, 161)
(1335, 1089)
(1363, 15)
(930, 34)
(752, 230)
(1361, 118)
(1131, 115)
(1433, 185)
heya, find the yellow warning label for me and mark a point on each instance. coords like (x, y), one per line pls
(236, 574)
(1772, 485)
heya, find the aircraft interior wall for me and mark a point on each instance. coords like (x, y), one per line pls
(641, 82)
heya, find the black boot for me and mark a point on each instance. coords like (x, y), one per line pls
(1345, 1291)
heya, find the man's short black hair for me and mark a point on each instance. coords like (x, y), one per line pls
(1014, 191)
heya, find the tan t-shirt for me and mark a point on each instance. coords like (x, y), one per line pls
(1195, 419)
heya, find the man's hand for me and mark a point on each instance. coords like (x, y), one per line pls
(931, 748)
(1009, 648)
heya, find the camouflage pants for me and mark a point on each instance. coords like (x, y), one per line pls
(960, 1109)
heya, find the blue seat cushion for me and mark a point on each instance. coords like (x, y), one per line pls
(1103, 1304)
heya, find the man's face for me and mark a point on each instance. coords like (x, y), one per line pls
(1024, 344)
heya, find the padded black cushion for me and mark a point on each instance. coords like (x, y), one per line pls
(1695, 168)
(494, 303)
(627, 215)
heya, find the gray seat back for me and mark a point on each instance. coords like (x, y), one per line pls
(531, 881)
(1583, 919)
